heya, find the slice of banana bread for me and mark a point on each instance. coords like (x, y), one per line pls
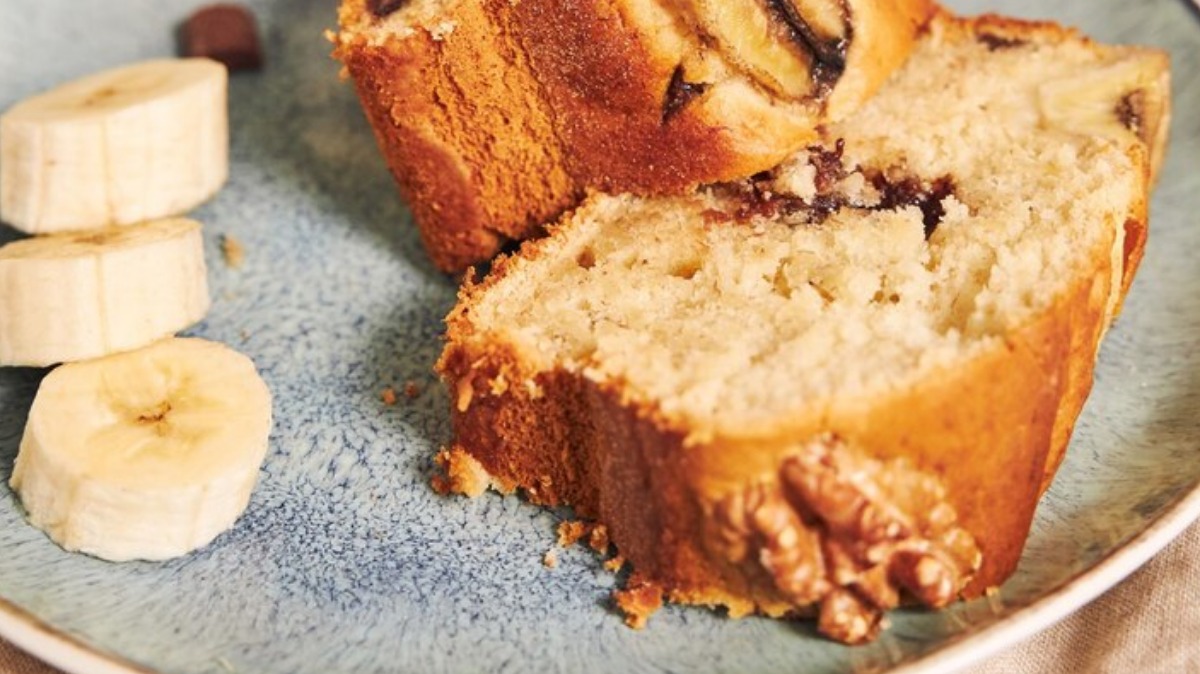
(494, 116)
(843, 382)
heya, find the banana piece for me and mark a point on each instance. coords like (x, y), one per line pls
(794, 48)
(1118, 101)
(70, 297)
(144, 455)
(135, 143)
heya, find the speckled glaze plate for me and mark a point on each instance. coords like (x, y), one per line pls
(347, 561)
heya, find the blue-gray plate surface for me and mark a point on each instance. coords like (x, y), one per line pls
(347, 561)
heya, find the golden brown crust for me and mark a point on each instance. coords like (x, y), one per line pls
(463, 128)
(497, 120)
(1089, 330)
(606, 88)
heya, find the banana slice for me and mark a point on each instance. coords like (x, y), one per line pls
(136, 143)
(1125, 100)
(75, 296)
(794, 48)
(144, 455)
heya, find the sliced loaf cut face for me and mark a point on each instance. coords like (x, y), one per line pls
(847, 380)
(495, 116)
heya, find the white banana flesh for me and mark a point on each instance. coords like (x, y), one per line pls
(1110, 102)
(71, 297)
(779, 43)
(754, 40)
(144, 455)
(135, 143)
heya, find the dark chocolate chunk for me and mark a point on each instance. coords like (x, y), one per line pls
(997, 42)
(829, 166)
(757, 196)
(910, 191)
(680, 93)
(226, 33)
(1129, 111)
(382, 8)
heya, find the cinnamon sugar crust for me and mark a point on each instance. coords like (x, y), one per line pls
(495, 117)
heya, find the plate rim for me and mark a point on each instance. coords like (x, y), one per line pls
(71, 654)
(1072, 595)
(55, 647)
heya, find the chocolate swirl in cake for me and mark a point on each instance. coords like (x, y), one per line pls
(828, 51)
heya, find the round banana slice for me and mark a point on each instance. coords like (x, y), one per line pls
(144, 455)
(75, 296)
(135, 143)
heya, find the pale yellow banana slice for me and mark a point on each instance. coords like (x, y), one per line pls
(144, 141)
(148, 454)
(1129, 99)
(75, 296)
(794, 48)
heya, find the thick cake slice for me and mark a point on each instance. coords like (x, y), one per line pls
(495, 116)
(844, 382)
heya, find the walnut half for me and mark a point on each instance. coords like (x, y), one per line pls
(851, 534)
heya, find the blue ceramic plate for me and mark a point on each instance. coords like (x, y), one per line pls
(347, 561)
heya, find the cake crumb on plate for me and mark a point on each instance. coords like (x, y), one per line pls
(233, 251)
(570, 531)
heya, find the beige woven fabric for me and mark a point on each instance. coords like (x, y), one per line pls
(13, 661)
(1149, 624)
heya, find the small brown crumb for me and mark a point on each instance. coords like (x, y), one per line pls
(461, 474)
(550, 560)
(411, 389)
(598, 538)
(388, 396)
(614, 564)
(233, 251)
(570, 532)
(638, 601)
(441, 485)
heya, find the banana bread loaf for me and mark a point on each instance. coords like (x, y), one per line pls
(844, 382)
(495, 116)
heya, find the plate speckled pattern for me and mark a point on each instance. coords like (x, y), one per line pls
(347, 561)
